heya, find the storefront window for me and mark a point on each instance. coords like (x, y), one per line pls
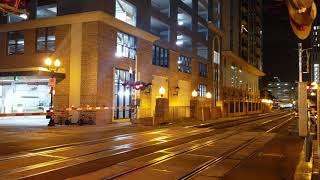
(24, 94)
(122, 96)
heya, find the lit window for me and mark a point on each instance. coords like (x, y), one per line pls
(188, 3)
(126, 12)
(203, 31)
(203, 70)
(15, 42)
(184, 19)
(216, 13)
(216, 57)
(202, 51)
(162, 6)
(13, 18)
(46, 11)
(203, 9)
(126, 45)
(184, 64)
(184, 41)
(202, 90)
(160, 29)
(46, 39)
(160, 56)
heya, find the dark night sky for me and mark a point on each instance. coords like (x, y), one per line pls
(279, 43)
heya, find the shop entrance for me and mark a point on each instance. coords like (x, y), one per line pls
(23, 94)
(123, 94)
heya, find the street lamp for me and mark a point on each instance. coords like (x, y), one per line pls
(52, 67)
(162, 91)
(194, 93)
(208, 95)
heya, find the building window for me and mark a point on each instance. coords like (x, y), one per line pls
(126, 12)
(184, 64)
(203, 9)
(202, 51)
(15, 42)
(126, 46)
(216, 57)
(316, 73)
(163, 6)
(217, 13)
(188, 3)
(203, 31)
(123, 94)
(13, 18)
(203, 71)
(160, 56)
(184, 19)
(46, 11)
(160, 29)
(46, 39)
(184, 41)
(202, 90)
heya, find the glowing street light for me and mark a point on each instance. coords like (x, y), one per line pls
(162, 91)
(208, 95)
(52, 67)
(57, 63)
(48, 61)
(194, 93)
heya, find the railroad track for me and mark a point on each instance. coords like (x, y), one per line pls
(68, 161)
(206, 165)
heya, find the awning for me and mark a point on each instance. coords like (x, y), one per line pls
(32, 71)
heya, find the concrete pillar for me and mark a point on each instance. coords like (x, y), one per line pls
(75, 64)
(201, 109)
(302, 107)
(161, 111)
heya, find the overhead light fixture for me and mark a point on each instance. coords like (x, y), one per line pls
(23, 16)
(179, 43)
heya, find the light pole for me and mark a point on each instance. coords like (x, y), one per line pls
(52, 67)
(302, 97)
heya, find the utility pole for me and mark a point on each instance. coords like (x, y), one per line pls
(302, 99)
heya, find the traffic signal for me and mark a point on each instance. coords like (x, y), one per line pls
(301, 14)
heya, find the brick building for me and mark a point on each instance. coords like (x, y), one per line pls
(175, 44)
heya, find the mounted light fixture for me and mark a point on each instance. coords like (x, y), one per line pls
(208, 95)
(162, 91)
(194, 93)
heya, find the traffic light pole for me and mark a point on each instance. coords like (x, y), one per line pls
(302, 99)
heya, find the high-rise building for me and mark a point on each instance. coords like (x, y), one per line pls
(284, 92)
(242, 57)
(175, 45)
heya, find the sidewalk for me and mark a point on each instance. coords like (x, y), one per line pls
(315, 161)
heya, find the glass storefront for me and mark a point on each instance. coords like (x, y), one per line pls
(123, 95)
(24, 94)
